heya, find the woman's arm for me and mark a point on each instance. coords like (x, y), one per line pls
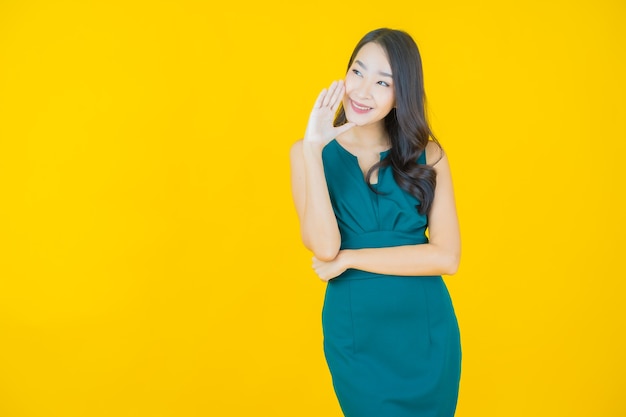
(318, 225)
(440, 256)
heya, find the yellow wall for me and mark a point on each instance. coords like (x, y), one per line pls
(150, 262)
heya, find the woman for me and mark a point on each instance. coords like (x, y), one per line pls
(366, 186)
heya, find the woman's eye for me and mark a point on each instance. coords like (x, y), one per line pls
(357, 72)
(384, 84)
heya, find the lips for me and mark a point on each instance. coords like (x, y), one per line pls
(359, 108)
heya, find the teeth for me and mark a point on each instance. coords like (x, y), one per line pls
(359, 107)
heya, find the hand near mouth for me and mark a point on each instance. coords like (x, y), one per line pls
(320, 129)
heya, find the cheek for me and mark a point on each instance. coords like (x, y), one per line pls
(349, 84)
(389, 100)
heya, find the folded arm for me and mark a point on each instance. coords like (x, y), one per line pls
(440, 256)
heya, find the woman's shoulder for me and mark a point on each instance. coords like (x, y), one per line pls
(434, 153)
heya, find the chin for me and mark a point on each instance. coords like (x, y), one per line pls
(358, 121)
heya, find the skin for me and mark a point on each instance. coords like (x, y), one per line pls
(368, 85)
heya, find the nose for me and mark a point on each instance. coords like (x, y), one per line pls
(362, 90)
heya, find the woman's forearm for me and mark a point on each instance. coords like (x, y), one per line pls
(410, 260)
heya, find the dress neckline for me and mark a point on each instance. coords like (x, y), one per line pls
(354, 158)
(382, 154)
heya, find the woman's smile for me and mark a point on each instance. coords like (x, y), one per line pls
(359, 108)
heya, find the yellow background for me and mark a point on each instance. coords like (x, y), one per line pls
(150, 260)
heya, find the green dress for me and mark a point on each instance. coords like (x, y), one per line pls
(391, 342)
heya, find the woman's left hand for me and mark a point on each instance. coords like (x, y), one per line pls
(331, 269)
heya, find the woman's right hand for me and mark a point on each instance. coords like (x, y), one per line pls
(320, 129)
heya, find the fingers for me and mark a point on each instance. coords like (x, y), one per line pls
(330, 94)
(320, 99)
(318, 267)
(337, 95)
(331, 97)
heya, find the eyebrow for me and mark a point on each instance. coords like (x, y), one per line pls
(384, 74)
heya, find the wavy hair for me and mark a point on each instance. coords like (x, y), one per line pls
(406, 124)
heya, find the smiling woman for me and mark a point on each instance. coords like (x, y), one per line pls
(369, 91)
(368, 180)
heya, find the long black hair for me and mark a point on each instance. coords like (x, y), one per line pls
(406, 124)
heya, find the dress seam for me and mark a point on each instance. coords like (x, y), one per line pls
(351, 317)
(427, 305)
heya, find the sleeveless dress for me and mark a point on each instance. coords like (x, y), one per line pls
(391, 342)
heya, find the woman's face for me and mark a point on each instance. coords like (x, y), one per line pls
(369, 86)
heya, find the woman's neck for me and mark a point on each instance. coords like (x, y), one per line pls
(373, 137)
